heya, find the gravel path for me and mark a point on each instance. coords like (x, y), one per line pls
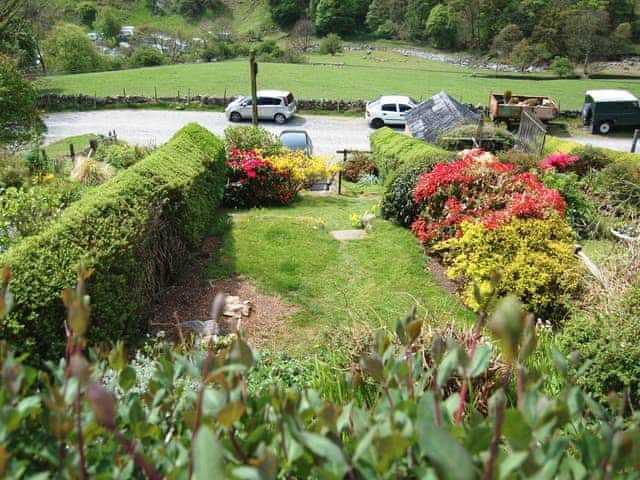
(143, 127)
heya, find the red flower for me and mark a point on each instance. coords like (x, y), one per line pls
(559, 161)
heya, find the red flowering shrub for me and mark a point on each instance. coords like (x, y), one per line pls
(478, 188)
(253, 181)
(559, 161)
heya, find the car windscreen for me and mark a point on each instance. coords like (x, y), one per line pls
(294, 140)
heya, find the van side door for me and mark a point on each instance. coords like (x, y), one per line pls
(390, 113)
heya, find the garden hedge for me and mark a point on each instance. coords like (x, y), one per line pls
(392, 150)
(133, 232)
(555, 144)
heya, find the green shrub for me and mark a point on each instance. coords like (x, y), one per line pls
(119, 155)
(356, 165)
(397, 203)
(619, 184)
(14, 171)
(251, 138)
(132, 231)
(523, 161)
(331, 44)
(610, 342)
(391, 150)
(145, 56)
(591, 158)
(581, 212)
(494, 138)
(563, 67)
(535, 259)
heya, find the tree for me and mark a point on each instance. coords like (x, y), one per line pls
(334, 16)
(331, 44)
(385, 17)
(108, 24)
(441, 27)
(68, 49)
(587, 33)
(468, 13)
(194, 8)
(88, 12)
(504, 42)
(563, 67)
(415, 19)
(285, 12)
(302, 35)
(18, 105)
(621, 37)
(525, 54)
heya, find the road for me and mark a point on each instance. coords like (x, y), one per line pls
(144, 127)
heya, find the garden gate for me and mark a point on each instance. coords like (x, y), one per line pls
(531, 134)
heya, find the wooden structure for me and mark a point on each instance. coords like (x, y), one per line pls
(541, 108)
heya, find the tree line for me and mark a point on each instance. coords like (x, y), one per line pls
(522, 31)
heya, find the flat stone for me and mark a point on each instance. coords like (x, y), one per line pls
(346, 235)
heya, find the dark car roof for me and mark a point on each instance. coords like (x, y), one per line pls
(294, 139)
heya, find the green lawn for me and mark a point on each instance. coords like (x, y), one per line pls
(288, 251)
(360, 78)
(61, 147)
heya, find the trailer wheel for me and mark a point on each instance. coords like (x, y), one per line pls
(604, 128)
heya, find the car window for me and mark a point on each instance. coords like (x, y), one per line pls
(294, 140)
(276, 101)
(389, 107)
(262, 101)
(247, 101)
(404, 108)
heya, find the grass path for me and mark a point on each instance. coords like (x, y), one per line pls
(289, 252)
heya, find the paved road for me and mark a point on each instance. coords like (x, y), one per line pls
(143, 127)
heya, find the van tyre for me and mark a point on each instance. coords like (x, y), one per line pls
(235, 117)
(377, 123)
(280, 118)
(604, 128)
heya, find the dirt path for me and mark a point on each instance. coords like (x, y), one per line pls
(190, 299)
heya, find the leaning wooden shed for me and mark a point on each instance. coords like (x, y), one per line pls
(439, 113)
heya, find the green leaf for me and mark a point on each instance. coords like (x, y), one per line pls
(241, 353)
(207, 456)
(560, 360)
(28, 406)
(446, 368)
(512, 463)
(426, 410)
(480, 360)
(373, 366)
(323, 447)
(450, 459)
(127, 378)
(231, 413)
(516, 430)
(246, 473)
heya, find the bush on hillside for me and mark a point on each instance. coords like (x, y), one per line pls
(563, 67)
(133, 231)
(331, 44)
(120, 155)
(145, 56)
(534, 257)
(245, 139)
(392, 150)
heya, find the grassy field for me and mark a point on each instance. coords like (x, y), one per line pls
(359, 78)
(289, 252)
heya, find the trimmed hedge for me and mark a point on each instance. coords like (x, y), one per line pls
(393, 150)
(555, 144)
(133, 231)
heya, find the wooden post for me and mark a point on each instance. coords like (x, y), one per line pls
(253, 68)
(72, 153)
(155, 93)
(636, 137)
(124, 93)
(189, 95)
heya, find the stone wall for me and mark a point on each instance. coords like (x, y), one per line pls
(61, 102)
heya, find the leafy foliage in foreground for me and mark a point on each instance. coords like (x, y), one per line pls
(87, 418)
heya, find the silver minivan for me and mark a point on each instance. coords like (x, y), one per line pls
(276, 105)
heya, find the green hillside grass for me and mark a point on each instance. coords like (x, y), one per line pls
(359, 78)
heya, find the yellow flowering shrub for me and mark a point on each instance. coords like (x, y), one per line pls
(534, 256)
(303, 170)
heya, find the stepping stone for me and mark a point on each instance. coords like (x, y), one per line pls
(346, 235)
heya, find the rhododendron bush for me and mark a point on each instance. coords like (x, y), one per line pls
(478, 188)
(254, 180)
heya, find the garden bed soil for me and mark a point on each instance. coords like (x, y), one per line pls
(189, 298)
(439, 272)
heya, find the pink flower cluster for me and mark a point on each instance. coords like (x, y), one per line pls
(559, 161)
